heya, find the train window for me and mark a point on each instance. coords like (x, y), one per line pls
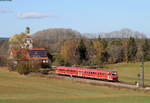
(114, 73)
(103, 74)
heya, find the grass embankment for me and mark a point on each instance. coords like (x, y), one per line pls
(128, 72)
(15, 88)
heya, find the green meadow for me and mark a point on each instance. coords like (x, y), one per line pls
(15, 88)
(128, 72)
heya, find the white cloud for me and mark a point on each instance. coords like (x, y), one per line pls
(34, 15)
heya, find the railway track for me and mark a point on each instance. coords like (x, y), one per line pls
(100, 82)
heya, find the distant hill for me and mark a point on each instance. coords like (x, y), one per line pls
(56, 34)
(123, 33)
(52, 38)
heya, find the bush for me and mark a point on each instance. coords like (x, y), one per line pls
(58, 60)
(3, 61)
(26, 67)
(23, 68)
(34, 66)
(12, 65)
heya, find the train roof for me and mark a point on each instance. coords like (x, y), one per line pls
(26, 53)
(37, 49)
(82, 69)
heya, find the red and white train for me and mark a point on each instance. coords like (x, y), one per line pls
(88, 73)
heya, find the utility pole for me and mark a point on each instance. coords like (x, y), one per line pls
(142, 71)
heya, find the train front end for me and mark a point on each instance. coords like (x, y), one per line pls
(39, 55)
(114, 76)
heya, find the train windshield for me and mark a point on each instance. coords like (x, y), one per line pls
(114, 73)
(37, 53)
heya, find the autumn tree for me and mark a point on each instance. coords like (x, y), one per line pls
(115, 50)
(17, 41)
(58, 60)
(116, 54)
(101, 54)
(69, 52)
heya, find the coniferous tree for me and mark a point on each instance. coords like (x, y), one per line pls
(146, 50)
(82, 51)
(104, 53)
(131, 50)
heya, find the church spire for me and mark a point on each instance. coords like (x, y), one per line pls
(27, 30)
(28, 41)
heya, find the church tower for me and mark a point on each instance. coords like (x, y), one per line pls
(28, 40)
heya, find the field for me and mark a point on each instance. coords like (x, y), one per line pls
(15, 88)
(128, 72)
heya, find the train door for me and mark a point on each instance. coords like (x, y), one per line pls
(79, 73)
(109, 77)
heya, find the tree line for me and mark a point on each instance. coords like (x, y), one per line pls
(69, 47)
(102, 51)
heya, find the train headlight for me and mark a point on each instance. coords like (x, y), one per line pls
(44, 61)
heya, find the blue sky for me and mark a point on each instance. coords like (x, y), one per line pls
(85, 16)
